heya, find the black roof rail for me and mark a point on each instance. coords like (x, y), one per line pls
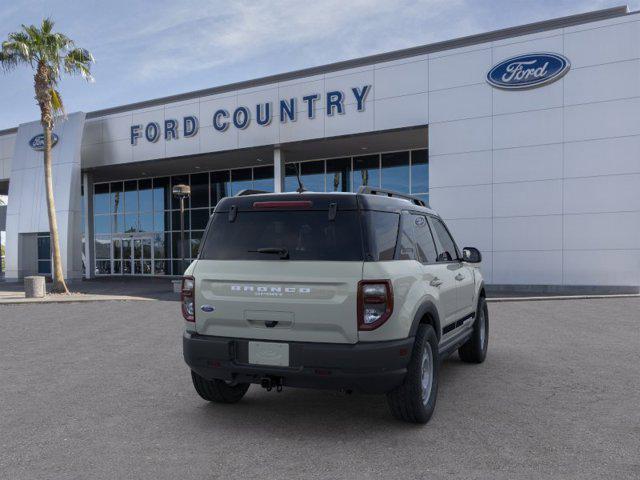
(249, 191)
(390, 193)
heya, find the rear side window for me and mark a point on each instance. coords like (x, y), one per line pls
(304, 235)
(447, 250)
(383, 234)
(424, 241)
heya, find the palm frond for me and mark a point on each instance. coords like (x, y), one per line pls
(56, 101)
(78, 62)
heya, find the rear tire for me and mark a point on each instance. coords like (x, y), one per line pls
(218, 391)
(415, 400)
(475, 349)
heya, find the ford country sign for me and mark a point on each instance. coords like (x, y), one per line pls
(528, 71)
(37, 142)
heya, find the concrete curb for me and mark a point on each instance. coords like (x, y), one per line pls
(560, 297)
(73, 299)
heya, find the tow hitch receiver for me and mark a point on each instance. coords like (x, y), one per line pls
(271, 382)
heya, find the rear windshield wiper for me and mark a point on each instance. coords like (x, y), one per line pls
(283, 252)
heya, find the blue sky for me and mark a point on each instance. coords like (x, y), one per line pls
(149, 49)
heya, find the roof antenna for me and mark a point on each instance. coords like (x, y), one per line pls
(300, 188)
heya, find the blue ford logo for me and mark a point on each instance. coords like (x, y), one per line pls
(528, 71)
(207, 308)
(37, 142)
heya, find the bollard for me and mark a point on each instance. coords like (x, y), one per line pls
(34, 287)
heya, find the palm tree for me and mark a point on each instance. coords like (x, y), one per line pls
(48, 54)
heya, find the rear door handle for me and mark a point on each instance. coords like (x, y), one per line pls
(459, 277)
(436, 282)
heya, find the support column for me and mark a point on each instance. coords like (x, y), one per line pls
(87, 205)
(278, 170)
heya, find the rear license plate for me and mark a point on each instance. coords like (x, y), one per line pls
(267, 353)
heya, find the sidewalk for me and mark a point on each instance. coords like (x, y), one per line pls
(103, 289)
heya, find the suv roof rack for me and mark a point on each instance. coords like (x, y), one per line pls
(249, 191)
(390, 193)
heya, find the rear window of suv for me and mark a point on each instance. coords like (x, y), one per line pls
(303, 235)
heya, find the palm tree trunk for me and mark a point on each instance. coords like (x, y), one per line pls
(59, 285)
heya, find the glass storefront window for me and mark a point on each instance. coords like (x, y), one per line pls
(101, 198)
(200, 190)
(339, 175)
(145, 222)
(103, 247)
(175, 220)
(161, 194)
(290, 180)
(420, 171)
(395, 171)
(117, 199)
(263, 178)
(241, 179)
(102, 224)
(145, 195)
(144, 210)
(312, 174)
(366, 171)
(219, 186)
(131, 196)
(177, 180)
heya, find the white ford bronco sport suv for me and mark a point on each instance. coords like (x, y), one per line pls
(358, 291)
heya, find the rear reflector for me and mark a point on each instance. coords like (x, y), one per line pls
(284, 204)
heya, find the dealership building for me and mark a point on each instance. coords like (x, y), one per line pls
(526, 140)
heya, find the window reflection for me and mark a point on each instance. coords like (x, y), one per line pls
(366, 171)
(395, 171)
(241, 179)
(419, 171)
(339, 175)
(312, 174)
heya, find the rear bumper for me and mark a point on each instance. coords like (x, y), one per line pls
(372, 367)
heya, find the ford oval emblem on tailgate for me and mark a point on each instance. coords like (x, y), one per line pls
(207, 308)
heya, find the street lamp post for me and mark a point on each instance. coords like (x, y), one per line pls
(181, 192)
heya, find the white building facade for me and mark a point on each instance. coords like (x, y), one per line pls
(525, 140)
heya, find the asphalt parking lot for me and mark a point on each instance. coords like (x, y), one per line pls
(99, 390)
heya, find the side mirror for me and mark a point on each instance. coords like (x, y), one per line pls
(471, 255)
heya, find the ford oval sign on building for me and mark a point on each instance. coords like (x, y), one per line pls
(37, 142)
(528, 71)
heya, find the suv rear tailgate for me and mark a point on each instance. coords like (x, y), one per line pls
(306, 301)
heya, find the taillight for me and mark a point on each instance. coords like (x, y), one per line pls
(187, 298)
(375, 303)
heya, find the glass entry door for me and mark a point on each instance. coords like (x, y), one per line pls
(132, 255)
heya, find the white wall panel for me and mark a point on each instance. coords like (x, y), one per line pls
(460, 136)
(528, 128)
(602, 157)
(472, 232)
(117, 127)
(613, 193)
(402, 79)
(602, 231)
(528, 233)
(92, 132)
(599, 83)
(461, 202)
(352, 121)
(210, 105)
(459, 103)
(527, 198)
(471, 168)
(603, 45)
(255, 135)
(540, 162)
(486, 267)
(398, 112)
(302, 129)
(535, 268)
(212, 140)
(459, 69)
(345, 83)
(602, 267)
(601, 120)
(509, 101)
